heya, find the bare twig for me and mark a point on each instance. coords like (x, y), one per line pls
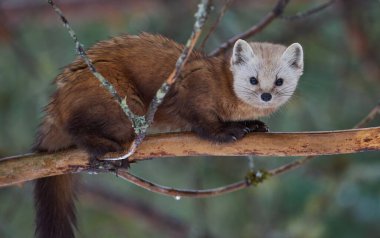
(200, 16)
(178, 193)
(290, 166)
(373, 113)
(265, 21)
(32, 166)
(312, 11)
(226, 5)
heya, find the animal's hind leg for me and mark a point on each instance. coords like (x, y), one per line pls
(97, 123)
(99, 133)
(96, 145)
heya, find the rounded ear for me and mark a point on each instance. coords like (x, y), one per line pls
(293, 56)
(242, 52)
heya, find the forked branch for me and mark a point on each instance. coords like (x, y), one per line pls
(276, 12)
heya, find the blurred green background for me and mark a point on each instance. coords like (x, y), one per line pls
(333, 196)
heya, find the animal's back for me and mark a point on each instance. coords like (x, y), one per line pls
(82, 113)
(135, 65)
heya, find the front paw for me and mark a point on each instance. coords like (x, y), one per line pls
(231, 133)
(256, 126)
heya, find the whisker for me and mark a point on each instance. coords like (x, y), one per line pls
(286, 88)
(249, 91)
(283, 93)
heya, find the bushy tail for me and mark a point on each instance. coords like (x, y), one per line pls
(54, 196)
(55, 208)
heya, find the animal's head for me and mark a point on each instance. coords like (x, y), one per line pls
(265, 75)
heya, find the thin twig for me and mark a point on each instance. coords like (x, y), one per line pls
(265, 21)
(138, 122)
(373, 113)
(309, 12)
(312, 11)
(178, 193)
(226, 5)
(290, 166)
(200, 19)
(253, 177)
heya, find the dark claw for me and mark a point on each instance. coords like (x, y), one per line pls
(125, 164)
(257, 126)
(262, 129)
(229, 132)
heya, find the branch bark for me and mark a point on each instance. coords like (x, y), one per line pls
(27, 167)
(252, 178)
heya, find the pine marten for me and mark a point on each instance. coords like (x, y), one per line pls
(217, 98)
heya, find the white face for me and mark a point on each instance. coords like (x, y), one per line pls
(268, 77)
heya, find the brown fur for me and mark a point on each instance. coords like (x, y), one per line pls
(84, 114)
(54, 201)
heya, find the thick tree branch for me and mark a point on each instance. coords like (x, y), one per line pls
(298, 163)
(32, 166)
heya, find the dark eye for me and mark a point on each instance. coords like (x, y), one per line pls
(253, 80)
(279, 82)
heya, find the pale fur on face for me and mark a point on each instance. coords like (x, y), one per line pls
(266, 62)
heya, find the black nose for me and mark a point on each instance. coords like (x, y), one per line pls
(266, 97)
